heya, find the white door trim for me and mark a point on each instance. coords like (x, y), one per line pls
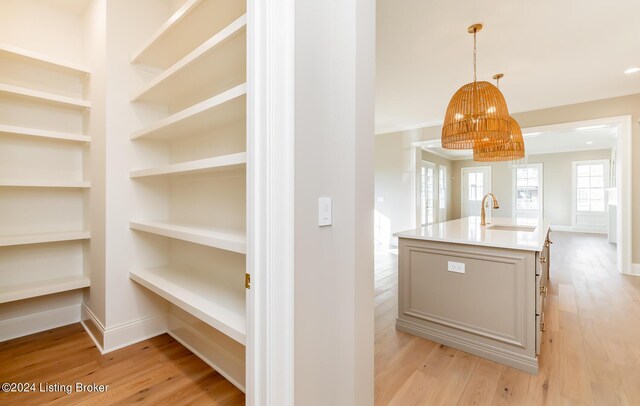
(270, 195)
(462, 170)
(624, 185)
(433, 166)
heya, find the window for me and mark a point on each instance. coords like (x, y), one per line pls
(476, 186)
(590, 185)
(442, 187)
(528, 187)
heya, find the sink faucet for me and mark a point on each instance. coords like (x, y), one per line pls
(483, 216)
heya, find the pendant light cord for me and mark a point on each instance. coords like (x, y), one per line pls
(475, 75)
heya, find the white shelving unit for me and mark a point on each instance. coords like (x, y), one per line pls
(210, 64)
(45, 183)
(225, 240)
(194, 257)
(13, 240)
(16, 53)
(44, 178)
(215, 164)
(34, 132)
(41, 288)
(214, 112)
(218, 305)
(44, 97)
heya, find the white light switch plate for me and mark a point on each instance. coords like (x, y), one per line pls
(324, 211)
(456, 267)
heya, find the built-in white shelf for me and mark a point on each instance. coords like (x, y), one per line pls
(44, 97)
(194, 68)
(11, 240)
(35, 132)
(149, 51)
(211, 237)
(41, 288)
(213, 302)
(45, 183)
(12, 52)
(226, 107)
(218, 163)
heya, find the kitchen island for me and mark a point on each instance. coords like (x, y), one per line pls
(480, 289)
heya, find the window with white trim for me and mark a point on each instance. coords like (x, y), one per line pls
(590, 185)
(527, 188)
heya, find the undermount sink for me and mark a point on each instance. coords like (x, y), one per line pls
(512, 227)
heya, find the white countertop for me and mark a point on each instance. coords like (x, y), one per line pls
(468, 231)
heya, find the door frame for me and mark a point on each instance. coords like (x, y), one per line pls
(462, 170)
(434, 167)
(623, 177)
(270, 196)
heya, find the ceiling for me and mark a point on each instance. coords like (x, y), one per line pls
(546, 142)
(552, 53)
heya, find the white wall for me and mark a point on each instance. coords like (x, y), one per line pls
(393, 156)
(129, 24)
(557, 183)
(334, 95)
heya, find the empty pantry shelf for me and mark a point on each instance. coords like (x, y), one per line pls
(45, 183)
(222, 239)
(9, 51)
(41, 288)
(36, 132)
(44, 97)
(194, 69)
(192, 24)
(219, 110)
(24, 239)
(218, 163)
(218, 304)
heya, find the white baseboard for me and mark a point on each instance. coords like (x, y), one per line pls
(109, 339)
(37, 322)
(578, 229)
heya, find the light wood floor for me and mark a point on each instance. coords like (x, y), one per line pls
(158, 371)
(590, 354)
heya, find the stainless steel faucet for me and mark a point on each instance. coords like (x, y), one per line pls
(483, 216)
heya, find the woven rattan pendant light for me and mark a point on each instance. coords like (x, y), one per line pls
(476, 112)
(509, 151)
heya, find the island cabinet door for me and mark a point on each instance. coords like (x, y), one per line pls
(462, 294)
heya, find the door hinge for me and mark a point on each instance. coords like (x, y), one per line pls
(247, 281)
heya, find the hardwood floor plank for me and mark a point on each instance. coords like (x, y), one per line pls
(481, 388)
(155, 371)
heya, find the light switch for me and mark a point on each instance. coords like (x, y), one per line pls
(324, 211)
(457, 267)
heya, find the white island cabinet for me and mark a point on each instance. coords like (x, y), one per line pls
(480, 289)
